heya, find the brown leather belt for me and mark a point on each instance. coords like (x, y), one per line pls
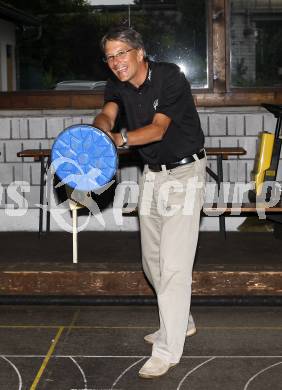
(185, 160)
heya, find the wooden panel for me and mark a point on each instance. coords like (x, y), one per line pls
(131, 153)
(85, 100)
(50, 100)
(35, 153)
(74, 283)
(113, 283)
(237, 283)
(237, 98)
(248, 208)
(219, 49)
(214, 210)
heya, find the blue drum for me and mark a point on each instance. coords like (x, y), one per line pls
(84, 157)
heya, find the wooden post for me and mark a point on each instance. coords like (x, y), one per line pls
(219, 46)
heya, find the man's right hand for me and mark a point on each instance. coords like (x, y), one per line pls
(105, 120)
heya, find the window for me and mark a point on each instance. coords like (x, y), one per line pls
(256, 43)
(68, 49)
(10, 70)
(179, 31)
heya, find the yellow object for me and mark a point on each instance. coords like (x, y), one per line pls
(263, 160)
(270, 172)
(46, 359)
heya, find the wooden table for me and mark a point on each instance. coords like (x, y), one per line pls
(43, 156)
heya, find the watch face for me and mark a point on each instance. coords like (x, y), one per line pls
(123, 134)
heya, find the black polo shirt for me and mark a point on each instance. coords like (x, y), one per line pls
(166, 91)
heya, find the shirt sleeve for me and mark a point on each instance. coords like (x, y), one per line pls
(111, 93)
(175, 94)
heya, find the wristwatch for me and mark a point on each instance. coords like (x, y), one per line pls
(123, 133)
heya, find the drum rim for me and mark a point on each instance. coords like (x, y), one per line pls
(91, 127)
(83, 125)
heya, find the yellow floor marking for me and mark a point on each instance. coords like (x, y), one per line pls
(31, 326)
(71, 325)
(46, 359)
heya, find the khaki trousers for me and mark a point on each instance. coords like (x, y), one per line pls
(169, 211)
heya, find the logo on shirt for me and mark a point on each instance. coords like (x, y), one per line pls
(155, 104)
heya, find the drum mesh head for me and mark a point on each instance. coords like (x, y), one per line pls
(84, 158)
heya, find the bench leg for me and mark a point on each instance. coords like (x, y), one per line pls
(222, 226)
(41, 196)
(49, 189)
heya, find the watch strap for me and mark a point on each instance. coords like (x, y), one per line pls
(123, 133)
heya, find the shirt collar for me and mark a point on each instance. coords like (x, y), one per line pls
(148, 78)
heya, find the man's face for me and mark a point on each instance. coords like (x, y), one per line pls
(124, 61)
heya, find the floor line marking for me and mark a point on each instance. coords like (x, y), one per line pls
(16, 369)
(81, 371)
(30, 326)
(46, 359)
(193, 370)
(258, 373)
(240, 327)
(75, 327)
(125, 371)
(70, 327)
(140, 356)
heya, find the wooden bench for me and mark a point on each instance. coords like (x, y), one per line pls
(228, 209)
(245, 208)
(234, 210)
(129, 156)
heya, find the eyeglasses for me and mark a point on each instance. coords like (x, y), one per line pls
(120, 55)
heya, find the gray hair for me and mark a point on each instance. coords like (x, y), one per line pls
(126, 35)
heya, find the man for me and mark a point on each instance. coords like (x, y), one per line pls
(163, 122)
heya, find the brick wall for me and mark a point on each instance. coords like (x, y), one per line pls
(24, 130)
(21, 130)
